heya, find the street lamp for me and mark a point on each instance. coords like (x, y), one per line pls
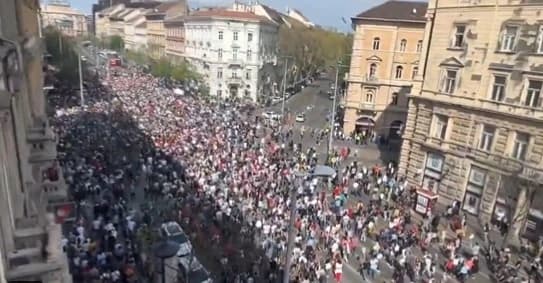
(333, 120)
(163, 250)
(284, 87)
(81, 95)
(317, 171)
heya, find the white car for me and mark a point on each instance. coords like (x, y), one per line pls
(173, 231)
(197, 274)
(271, 115)
(300, 118)
(276, 99)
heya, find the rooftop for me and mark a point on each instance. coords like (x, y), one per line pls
(226, 14)
(274, 14)
(402, 11)
(164, 7)
(59, 9)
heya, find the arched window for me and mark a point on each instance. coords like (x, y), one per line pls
(403, 45)
(373, 70)
(399, 72)
(376, 42)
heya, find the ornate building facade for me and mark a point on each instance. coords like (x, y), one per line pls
(30, 179)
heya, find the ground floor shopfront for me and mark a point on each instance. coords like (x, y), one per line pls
(484, 191)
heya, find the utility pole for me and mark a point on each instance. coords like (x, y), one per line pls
(333, 120)
(81, 95)
(290, 237)
(284, 90)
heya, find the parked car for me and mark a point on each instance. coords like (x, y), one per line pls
(269, 115)
(173, 231)
(277, 99)
(300, 118)
(193, 268)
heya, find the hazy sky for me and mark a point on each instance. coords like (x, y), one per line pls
(327, 13)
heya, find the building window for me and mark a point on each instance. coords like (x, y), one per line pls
(448, 81)
(219, 93)
(249, 54)
(248, 75)
(459, 34)
(236, 35)
(219, 73)
(373, 70)
(403, 45)
(498, 88)
(432, 173)
(234, 74)
(533, 93)
(369, 97)
(474, 189)
(376, 42)
(399, 71)
(509, 39)
(221, 35)
(235, 53)
(440, 127)
(394, 100)
(250, 37)
(415, 72)
(540, 40)
(220, 53)
(487, 138)
(520, 146)
(419, 46)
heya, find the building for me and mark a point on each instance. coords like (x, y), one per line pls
(30, 249)
(117, 21)
(156, 32)
(102, 20)
(386, 48)
(474, 132)
(298, 16)
(232, 50)
(140, 36)
(131, 40)
(175, 37)
(102, 5)
(60, 15)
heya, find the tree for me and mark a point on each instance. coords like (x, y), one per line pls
(161, 68)
(116, 43)
(312, 48)
(62, 55)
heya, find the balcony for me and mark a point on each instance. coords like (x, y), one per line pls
(234, 80)
(235, 62)
(371, 79)
(512, 109)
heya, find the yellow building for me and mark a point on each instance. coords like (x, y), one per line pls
(60, 15)
(102, 20)
(386, 48)
(156, 32)
(30, 248)
(474, 132)
(175, 37)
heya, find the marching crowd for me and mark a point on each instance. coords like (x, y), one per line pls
(230, 177)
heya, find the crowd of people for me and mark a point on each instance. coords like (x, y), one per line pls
(230, 177)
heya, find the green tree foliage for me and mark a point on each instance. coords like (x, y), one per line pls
(137, 57)
(312, 48)
(62, 55)
(116, 43)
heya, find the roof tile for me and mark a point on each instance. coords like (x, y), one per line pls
(397, 11)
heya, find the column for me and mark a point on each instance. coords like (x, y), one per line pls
(519, 217)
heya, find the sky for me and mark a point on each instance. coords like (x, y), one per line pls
(327, 13)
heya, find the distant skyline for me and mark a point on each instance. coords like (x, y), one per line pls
(326, 13)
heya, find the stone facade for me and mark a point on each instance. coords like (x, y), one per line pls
(474, 131)
(385, 57)
(175, 38)
(27, 152)
(66, 19)
(156, 31)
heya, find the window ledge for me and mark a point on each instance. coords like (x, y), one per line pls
(456, 48)
(536, 54)
(505, 52)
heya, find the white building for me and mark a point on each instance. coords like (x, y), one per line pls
(132, 21)
(297, 15)
(232, 50)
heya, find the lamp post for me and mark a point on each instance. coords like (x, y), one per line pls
(334, 106)
(284, 87)
(163, 250)
(81, 95)
(318, 171)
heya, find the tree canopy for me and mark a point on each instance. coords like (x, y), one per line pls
(116, 42)
(313, 48)
(62, 55)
